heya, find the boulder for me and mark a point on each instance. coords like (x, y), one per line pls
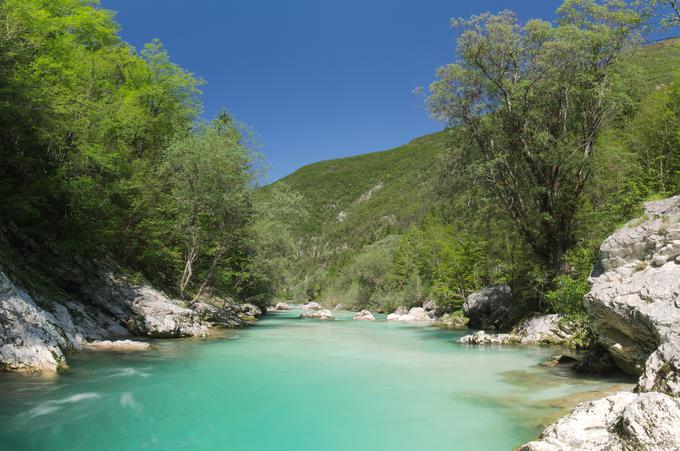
(492, 308)
(364, 315)
(117, 346)
(416, 314)
(482, 338)
(538, 329)
(248, 311)
(282, 306)
(311, 306)
(30, 337)
(218, 312)
(323, 314)
(453, 321)
(545, 329)
(634, 302)
(622, 421)
(154, 315)
(430, 308)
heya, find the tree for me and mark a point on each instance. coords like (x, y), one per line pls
(208, 173)
(531, 101)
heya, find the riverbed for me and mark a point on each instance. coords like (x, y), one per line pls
(299, 385)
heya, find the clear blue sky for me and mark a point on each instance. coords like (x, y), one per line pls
(316, 79)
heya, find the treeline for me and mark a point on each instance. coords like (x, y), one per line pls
(555, 140)
(103, 154)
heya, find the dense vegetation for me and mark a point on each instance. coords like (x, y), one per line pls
(557, 132)
(436, 219)
(104, 155)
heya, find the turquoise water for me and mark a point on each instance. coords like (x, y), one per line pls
(298, 385)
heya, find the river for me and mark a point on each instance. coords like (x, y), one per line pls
(299, 385)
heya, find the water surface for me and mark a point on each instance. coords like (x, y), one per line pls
(299, 385)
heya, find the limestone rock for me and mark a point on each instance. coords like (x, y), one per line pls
(250, 310)
(218, 312)
(544, 329)
(492, 307)
(311, 306)
(364, 315)
(118, 346)
(452, 321)
(430, 308)
(323, 314)
(155, 315)
(538, 329)
(30, 339)
(622, 421)
(282, 306)
(634, 303)
(482, 338)
(416, 314)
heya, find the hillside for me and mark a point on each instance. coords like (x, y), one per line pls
(355, 200)
(358, 200)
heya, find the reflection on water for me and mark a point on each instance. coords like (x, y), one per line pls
(289, 384)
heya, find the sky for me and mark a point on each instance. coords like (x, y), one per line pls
(315, 79)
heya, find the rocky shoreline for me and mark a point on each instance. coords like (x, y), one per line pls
(634, 308)
(37, 333)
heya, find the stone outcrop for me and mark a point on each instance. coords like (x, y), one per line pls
(416, 314)
(322, 314)
(622, 421)
(482, 338)
(311, 306)
(634, 309)
(249, 311)
(634, 303)
(452, 321)
(30, 338)
(538, 329)
(117, 346)
(37, 334)
(219, 312)
(364, 315)
(155, 315)
(280, 306)
(492, 308)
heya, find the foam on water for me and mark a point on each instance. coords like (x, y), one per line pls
(289, 384)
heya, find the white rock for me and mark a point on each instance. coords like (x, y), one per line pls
(118, 345)
(416, 314)
(364, 315)
(539, 329)
(282, 306)
(622, 421)
(323, 314)
(311, 306)
(634, 305)
(482, 338)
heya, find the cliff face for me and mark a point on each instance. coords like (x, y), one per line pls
(634, 308)
(634, 304)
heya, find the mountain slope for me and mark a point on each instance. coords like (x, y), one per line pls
(358, 200)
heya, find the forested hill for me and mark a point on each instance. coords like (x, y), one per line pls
(355, 200)
(362, 200)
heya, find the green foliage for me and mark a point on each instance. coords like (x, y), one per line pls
(531, 101)
(569, 290)
(102, 156)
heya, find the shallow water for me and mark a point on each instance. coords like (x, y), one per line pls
(298, 385)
